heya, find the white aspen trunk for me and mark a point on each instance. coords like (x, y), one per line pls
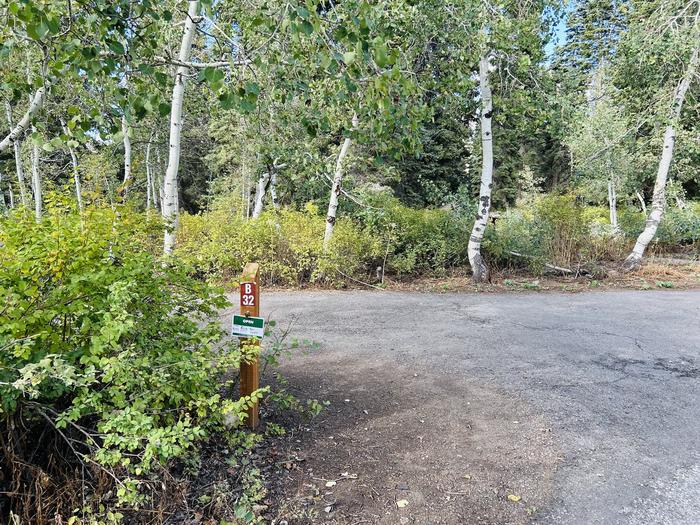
(76, 175)
(149, 182)
(641, 202)
(36, 182)
(2, 196)
(156, 180)
(337, 188)
(480, 271)
(17, 144)
(127, 154)
(12, 196)
(171, 206)
(612, 202)
(273, 189)
(260, 191)
(35, 104)
(658, 201)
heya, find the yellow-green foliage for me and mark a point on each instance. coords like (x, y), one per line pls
(288, 245)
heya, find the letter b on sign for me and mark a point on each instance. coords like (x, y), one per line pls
(248, 294)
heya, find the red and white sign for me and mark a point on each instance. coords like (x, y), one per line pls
(248, 294)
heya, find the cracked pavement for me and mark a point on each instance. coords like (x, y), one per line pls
(614, 374)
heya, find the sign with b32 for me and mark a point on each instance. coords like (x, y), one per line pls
(243, 326)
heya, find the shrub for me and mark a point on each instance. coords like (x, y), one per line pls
(417, 240)
(288, 245)
(109, 348)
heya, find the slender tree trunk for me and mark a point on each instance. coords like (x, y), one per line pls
(149, 182)
(171, 206)
(612, 202)
(12, 196)
(641, 202)
(127, 154)
(480, 271)
(273, 189)
(3, 202)
(36, 182)
(17, 144)
(35, 104)
(260, 191)
(336, 188)
(658, 202)
(76, 175)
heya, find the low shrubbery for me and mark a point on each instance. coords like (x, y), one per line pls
(110, 368)
(387, 236)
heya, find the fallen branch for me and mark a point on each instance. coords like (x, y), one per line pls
(567, 271)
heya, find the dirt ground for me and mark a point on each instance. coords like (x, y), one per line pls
(396, 449)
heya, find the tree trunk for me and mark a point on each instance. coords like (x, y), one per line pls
(3, 202)
(612, 202)
(127, 154)
(336, 188)
(17, 143)
(149, 182)
(12, 196)
(170, 195)
(480, 271)
(76, 175)
(641, 202)
(36, 182)
(260, 190)
(658, 201)
(34, 106)
(273, 189)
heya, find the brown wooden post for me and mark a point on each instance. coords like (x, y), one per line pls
(250, 306)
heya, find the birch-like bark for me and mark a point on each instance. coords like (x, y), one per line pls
(76, 175)
(171, 206)
(612, 202)
(12, 196)
(3, 202)
(127, 154)
(260, 191)
(36, 182)
(15, 133)
(17, 144)
(480, 271)
(641, 202)
(658, 202)
(149, 182)
(273, 189)
(337, 187)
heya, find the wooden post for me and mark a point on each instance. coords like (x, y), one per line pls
(250, 306)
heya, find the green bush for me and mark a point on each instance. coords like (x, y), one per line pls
(678, 227)
(415, 240)
(108, 346)
(287, 244)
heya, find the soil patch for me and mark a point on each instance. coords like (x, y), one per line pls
(401, 446)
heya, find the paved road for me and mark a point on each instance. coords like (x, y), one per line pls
(614, 375)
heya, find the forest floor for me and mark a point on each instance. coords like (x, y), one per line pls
(457, 408)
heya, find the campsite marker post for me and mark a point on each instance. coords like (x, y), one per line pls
(247, 323)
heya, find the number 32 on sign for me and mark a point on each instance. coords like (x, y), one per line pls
(248, 294)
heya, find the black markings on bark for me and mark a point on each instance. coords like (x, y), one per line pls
(330, 219)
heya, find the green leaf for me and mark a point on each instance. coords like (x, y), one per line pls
(306, 27)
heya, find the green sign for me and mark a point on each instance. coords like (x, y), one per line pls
(243, 326)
